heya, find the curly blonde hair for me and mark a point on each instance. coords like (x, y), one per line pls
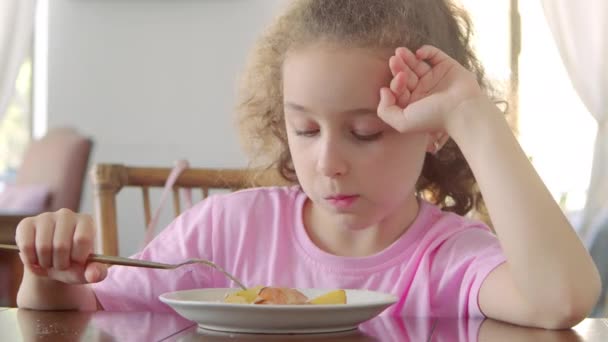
(446, 178)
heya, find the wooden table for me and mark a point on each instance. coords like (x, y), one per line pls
(11, 268)
(19, 325)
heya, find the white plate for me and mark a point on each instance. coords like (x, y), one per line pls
(206, 307)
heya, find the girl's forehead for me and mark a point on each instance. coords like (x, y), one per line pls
(334, 79)
(322, 61)
(328, 47)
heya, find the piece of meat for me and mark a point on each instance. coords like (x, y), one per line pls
(280, 295)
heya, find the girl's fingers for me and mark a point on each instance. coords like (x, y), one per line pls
(418, 66)
(25, 237)
(57, 245)
(412, 80)
(401, 87)
(396, 65)
(431, 54)
(62, 239)
(389, 112)
(399, 83)
(95, 272)
(404, 100)
(82, 243)
(387, 99)
(45, 228)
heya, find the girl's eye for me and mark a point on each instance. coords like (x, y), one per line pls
(367, 137)
(307, 133)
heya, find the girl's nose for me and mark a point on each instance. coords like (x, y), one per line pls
(331, 161)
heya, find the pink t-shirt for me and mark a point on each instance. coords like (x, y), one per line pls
(435, 269)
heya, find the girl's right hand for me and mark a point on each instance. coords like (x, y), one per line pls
(427, 87)
(56, 246)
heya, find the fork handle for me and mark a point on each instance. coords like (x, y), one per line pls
(108, 259)
(114, 260)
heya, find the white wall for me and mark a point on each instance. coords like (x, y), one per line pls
(150, 81)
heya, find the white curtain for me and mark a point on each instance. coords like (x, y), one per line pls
(580, 29)
(16, 27)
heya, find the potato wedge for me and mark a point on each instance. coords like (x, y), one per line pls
(234, 299)
(332, 297)
(243, 296)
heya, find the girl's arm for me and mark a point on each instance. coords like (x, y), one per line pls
(549, 279)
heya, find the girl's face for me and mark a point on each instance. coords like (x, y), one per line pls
(354, 167)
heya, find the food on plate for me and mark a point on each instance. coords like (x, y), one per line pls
(332, 297)
(243, 296)
(261, 295)
(279, 295)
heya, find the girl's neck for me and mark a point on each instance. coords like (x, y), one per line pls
(325, 231)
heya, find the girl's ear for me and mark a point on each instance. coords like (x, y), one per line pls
(435, 142)
(431, 142)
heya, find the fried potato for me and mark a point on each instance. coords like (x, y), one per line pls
(234, 299)
(332, 297)
(277, 295)
(243, 296)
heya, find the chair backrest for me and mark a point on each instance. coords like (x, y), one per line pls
(58, 161)
(109, 179)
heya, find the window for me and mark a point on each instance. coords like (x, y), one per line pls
(15, 125)
(552, 125)
(556, 129)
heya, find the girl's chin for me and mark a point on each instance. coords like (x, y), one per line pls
(351, 220)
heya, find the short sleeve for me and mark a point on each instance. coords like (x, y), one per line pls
(137, 289)
(459, 267)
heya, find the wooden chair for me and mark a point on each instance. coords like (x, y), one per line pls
(58, 161)
(109, 179)
(11, 268)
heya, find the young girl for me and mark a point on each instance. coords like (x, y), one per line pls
(377, 112)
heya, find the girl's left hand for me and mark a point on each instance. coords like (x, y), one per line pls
(425, 89)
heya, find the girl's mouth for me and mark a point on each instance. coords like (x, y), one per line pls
(341, 201)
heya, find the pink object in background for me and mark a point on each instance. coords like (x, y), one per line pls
(24, 199)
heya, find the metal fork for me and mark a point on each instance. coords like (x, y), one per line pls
(114, 260)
